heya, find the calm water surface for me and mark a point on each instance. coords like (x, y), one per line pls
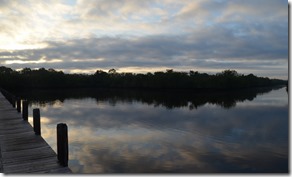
(159, 132)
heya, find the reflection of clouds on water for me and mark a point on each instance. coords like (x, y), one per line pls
(139, 138)
(278, 97)
(136, 137)
(130, 152)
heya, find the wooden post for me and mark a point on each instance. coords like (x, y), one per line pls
(62, 144)
(37, 121)
(18, 104)
(13, 99)
(25, 110)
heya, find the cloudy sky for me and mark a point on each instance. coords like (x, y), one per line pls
(250, 36)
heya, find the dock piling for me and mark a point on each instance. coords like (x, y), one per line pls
(18, 104)
(37, 121)
(13, 100)
(62, 144)
(25, 110)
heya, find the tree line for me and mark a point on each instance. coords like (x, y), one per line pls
(49, 78)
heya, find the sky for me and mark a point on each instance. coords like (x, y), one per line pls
(82, 36)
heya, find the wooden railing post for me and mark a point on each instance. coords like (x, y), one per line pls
(37, 121)
(62, 144)
(25, 110)
(18, 104)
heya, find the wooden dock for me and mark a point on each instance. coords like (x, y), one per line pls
(21, 151)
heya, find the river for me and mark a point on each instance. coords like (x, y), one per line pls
(122, 131)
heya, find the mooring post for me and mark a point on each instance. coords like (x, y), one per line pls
(18, 104)
(37, 121)
(13, 99)
(25, 110)
(62, 144)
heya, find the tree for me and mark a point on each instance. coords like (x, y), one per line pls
(25, 71)
(5, 70)
(112, 71)
(99, 72)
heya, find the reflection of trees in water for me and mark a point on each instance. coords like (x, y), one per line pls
(169, 99)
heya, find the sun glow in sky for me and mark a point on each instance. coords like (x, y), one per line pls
(249, 36)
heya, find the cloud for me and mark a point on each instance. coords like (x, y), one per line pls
(259, 10)
(162, 51)
(144, 34)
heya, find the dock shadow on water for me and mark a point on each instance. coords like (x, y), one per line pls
(131, 131)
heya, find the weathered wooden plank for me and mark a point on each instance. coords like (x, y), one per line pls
(13, 132)
(23, 147)
(12, 135)
(10, 121)
(29, 167)
(22, 136)
(15, 126)
(9, 116)
(59, 170)
(27, 158)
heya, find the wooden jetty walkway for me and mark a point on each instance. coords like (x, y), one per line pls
(21, 150)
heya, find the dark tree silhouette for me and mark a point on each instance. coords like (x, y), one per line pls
(170, 79)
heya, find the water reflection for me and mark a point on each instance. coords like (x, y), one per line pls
(128, 134)
(166, 98)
